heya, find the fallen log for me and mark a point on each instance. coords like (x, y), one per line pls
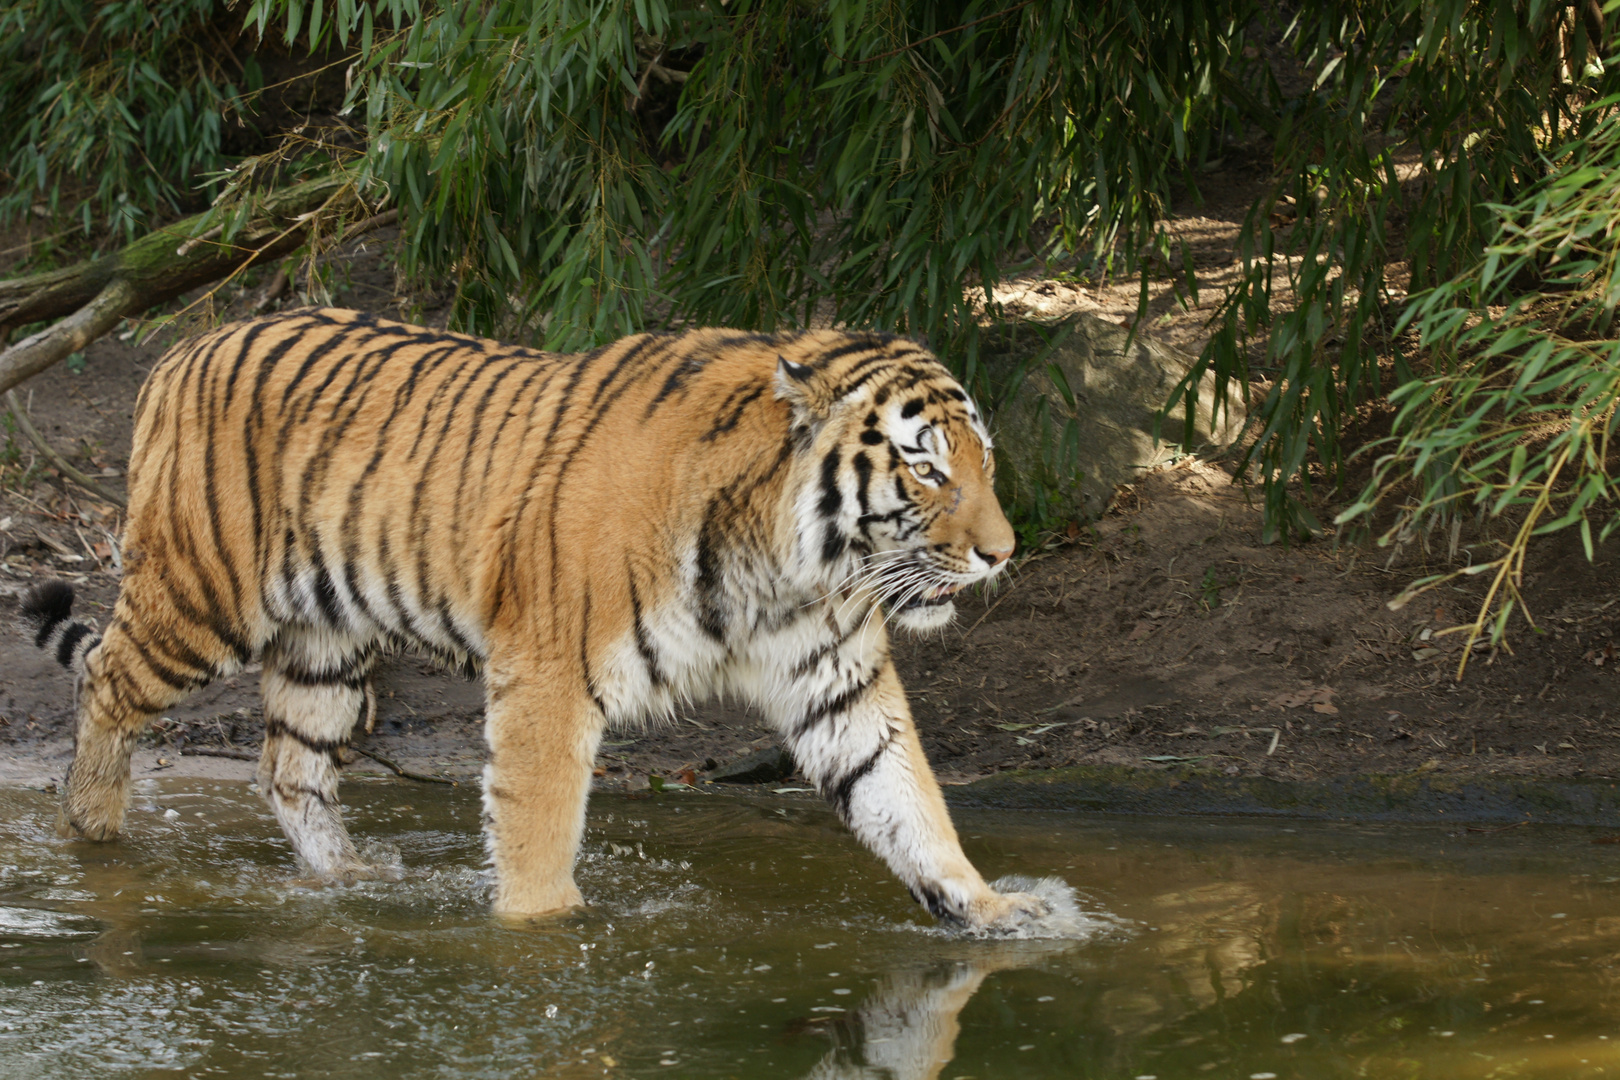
(89, 299)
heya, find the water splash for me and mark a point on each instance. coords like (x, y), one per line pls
(1063, 918)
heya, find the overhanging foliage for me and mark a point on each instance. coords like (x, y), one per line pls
(583, 170)
(115, 109)
(880, 163)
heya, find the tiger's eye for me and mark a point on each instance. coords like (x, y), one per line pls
(923, 469)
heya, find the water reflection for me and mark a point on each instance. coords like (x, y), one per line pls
(755, 939)
(906, 1029)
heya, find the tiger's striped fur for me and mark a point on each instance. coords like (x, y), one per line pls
(603, 535)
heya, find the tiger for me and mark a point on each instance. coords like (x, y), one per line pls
(604, 536)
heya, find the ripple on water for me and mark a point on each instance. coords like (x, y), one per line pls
(44, 923)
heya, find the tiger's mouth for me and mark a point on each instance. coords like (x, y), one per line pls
(934, 597)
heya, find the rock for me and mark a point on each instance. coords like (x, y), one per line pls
(1117, 386)
(761, 767)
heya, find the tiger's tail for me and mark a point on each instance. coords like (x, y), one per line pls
(47, 612)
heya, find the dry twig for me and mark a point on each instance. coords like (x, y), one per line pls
(27, 427)
(409, 774)
(219, 751)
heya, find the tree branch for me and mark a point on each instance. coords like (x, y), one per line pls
(170, 261)
(89, 299)
(37, 352)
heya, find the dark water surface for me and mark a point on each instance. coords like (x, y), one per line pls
(731, 937)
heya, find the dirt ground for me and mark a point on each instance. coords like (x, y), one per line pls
(1166, 637)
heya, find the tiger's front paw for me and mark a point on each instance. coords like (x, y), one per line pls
(1001, 912)
(1022, 907)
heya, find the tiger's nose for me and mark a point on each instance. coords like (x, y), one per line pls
(994, 556)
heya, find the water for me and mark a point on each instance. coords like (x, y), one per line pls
(740, 938)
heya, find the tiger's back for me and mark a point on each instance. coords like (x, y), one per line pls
(328, 469)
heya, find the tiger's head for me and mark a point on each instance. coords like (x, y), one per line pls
(903, 502)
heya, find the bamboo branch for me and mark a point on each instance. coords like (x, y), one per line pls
(190, 245)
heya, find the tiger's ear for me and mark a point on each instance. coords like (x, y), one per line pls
(804, 389)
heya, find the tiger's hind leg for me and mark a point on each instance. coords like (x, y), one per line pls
(315, 689)
(141, 666)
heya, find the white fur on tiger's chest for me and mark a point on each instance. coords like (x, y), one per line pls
(776, 648)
